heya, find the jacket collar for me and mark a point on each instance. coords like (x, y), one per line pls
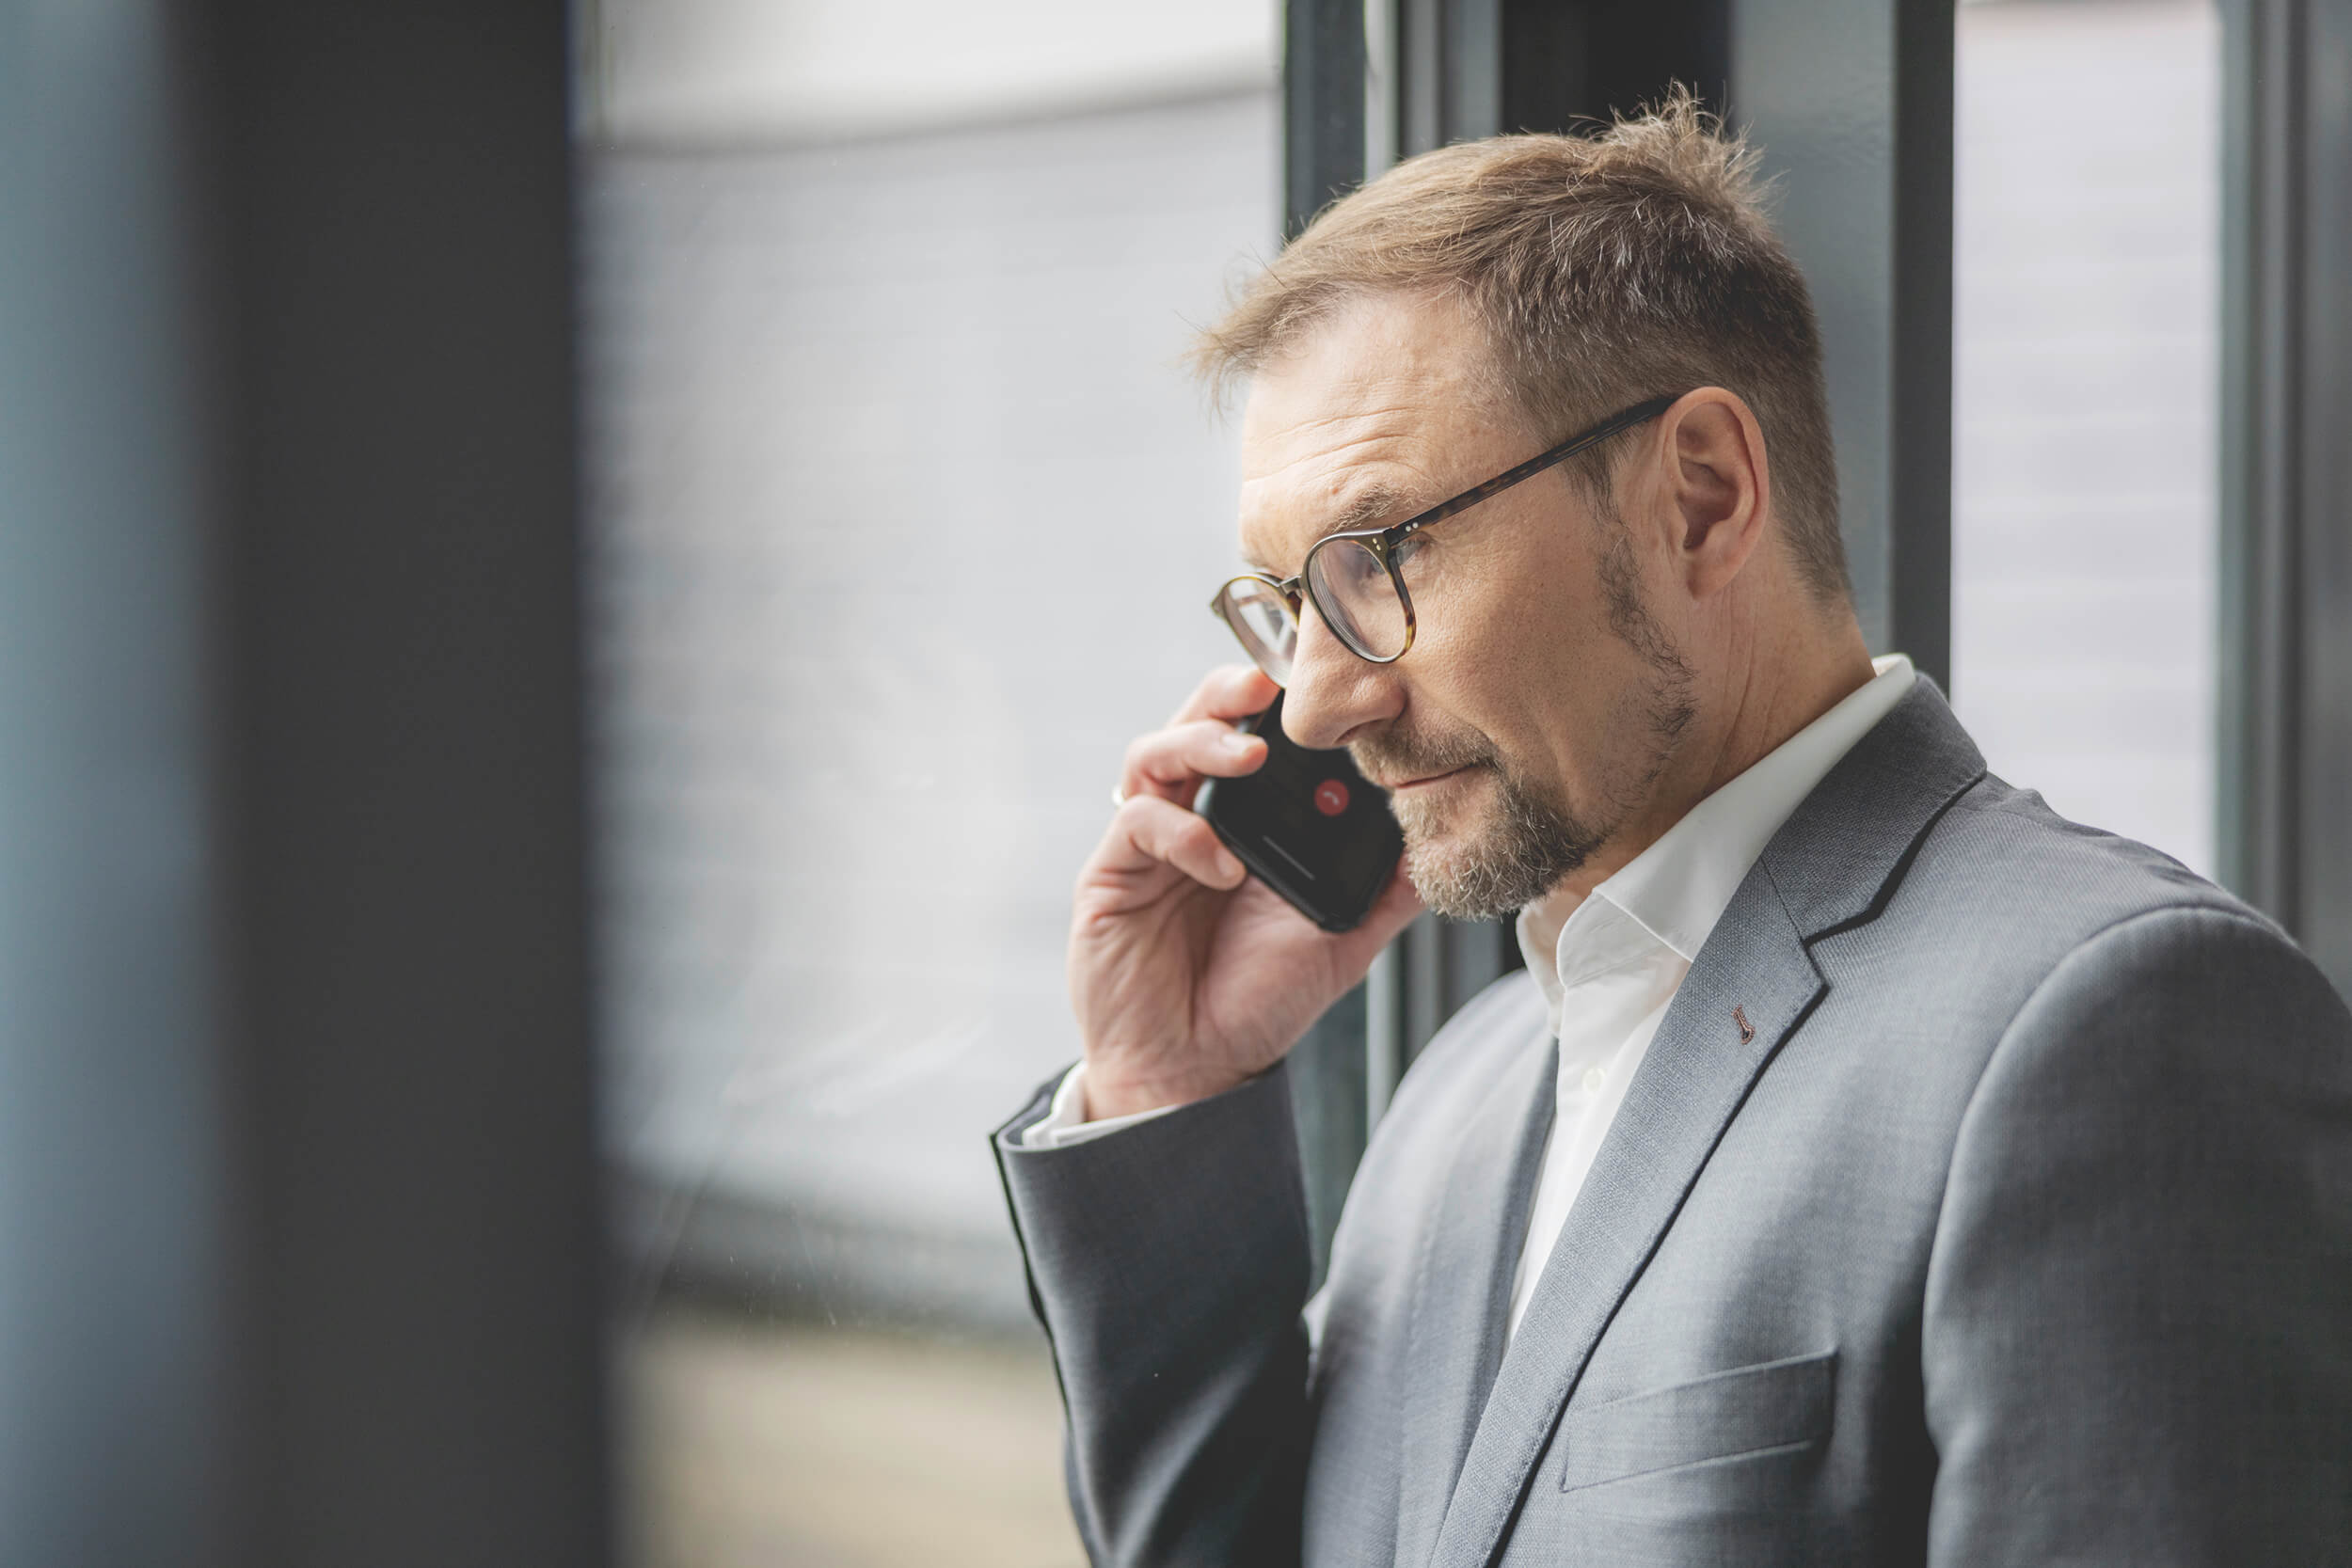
(1834, 860)
(1676, 889)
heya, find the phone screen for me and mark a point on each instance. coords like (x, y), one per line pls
(1308, 826)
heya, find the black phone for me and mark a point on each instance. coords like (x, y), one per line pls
(1308, 825)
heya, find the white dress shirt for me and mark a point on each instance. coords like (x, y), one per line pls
(1618, 956)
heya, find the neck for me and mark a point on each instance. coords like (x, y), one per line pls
(1761, 696)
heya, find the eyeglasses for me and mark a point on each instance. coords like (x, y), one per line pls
(1354, 577)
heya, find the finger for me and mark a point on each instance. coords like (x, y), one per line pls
(1169, 763)
(1148, 832)
(1227, 692)
(1399, 902)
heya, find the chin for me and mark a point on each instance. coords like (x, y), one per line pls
(1485, 853)
(1459, 875)
(1455, 887)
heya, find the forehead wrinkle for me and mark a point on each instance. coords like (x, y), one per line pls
(1335, 470)
(1410, 413)
(1368, 502)
(1337, 453)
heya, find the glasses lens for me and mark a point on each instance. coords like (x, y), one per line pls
(1358, 596)
(1260, 618)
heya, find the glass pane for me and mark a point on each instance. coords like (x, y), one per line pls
(882, 315)
(1262, 620)
(1350, 581)
(2086, 434)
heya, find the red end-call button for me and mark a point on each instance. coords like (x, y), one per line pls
(1331, 797)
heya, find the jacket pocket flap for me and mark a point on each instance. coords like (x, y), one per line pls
(1746, 1409)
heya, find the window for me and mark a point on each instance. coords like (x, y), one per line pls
(2086, 420)
(903, 517)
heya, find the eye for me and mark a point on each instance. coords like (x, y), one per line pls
(1409, 550)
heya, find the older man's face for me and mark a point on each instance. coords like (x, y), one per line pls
(1540, 699)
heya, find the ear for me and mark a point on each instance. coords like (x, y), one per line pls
(1718, 485)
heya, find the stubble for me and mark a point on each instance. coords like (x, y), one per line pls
(1531, 837)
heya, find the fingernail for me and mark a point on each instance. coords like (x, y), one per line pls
(1239, 744)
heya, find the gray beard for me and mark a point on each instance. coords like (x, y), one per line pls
(1531, 845)
(1535, 840)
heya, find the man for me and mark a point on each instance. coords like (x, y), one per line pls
(1871, 1168)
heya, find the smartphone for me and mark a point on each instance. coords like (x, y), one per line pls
(1308, 825)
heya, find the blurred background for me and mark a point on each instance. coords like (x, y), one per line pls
(902, 521)
(574, 582)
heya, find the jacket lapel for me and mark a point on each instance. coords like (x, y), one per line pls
(1462, 1288)
(1753, 983)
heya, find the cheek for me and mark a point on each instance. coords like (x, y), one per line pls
(1519, 647)
(1489, 612)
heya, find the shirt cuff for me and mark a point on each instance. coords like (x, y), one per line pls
(1066, 1122)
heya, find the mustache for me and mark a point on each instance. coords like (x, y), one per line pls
(1393, 754)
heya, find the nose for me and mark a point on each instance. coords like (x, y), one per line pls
(1332, 695)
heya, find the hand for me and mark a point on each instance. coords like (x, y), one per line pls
(1187, 976)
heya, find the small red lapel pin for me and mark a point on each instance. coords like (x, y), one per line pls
(1747, 1030)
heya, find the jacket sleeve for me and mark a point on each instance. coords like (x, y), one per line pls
(2136, 1346)
(1168, 1264)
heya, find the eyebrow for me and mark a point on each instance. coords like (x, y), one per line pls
(1373, 501)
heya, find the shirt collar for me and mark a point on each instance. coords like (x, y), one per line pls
(1678, 888)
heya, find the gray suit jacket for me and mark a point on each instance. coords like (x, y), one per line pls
(1985, 1197)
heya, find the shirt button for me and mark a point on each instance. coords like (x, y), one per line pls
(1594, 1078)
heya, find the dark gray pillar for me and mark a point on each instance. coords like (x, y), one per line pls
(2285, 706)
(1323, 106)
(406, 780)
(1323, 125)
(1476, 67)
(1852, 100)
(299, 1240)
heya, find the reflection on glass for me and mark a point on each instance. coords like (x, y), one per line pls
(2086, 424)
(864, 358)
(853, 386)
